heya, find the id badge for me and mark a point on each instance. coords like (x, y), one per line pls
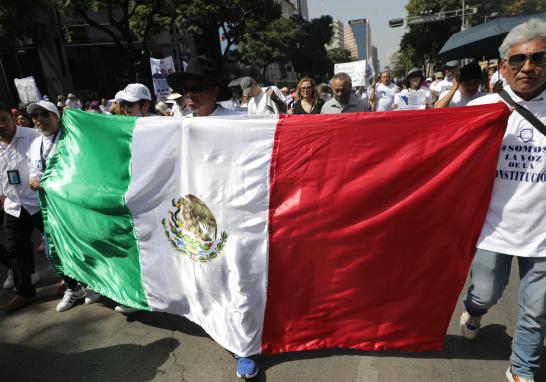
(13, 177)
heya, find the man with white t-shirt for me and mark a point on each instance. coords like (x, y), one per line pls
(382, 95)
(466, 85)
(516, 218)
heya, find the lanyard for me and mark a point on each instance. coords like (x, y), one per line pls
(43, 156)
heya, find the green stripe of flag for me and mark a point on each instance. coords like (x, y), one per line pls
(89, 228)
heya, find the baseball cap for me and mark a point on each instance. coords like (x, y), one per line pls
(49, 106)
(70, 95)
(452, 64)
(135, 92)
(246, 85)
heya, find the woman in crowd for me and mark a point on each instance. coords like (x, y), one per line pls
(414, 88)
(308, 101)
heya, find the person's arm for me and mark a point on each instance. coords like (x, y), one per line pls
(445, 100)
(281, 105)
(372, 96)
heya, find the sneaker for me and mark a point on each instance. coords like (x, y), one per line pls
(514, 378)
(91, 296)
(69, 299)
(246, 368)
(9, 283)
(470, 325)
(35, 278)
(125, 309)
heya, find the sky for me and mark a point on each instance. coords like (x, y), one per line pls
(378, 12)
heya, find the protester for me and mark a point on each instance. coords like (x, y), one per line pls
(72, 102)
(287, 96)
(343, 101)
(382, 93)
(450, 68)
(414, 88)
(21, 208)
(23, 119)
(179, 108)
(324, 92)
(308, 101)
(515, 222)
(135, 100)
(434, 85)
(466, 85)
(163, 109)
(203, 86)
(46, 117)
(261, 102)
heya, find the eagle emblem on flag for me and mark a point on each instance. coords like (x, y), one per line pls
(192, 231)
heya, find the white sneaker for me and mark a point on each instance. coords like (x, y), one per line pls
(470, 325)
(512, 378)
(35, 278)
(125, 309)
(91, 296)
(69, 299)
(9, 283)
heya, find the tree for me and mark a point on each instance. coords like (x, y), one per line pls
(233, 18)
(339, 55)
(309, 54)
(273, 44)
(127, 21)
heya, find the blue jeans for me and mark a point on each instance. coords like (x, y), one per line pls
(490, 274)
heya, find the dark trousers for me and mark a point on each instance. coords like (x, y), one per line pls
(19, 249)
(20, 252)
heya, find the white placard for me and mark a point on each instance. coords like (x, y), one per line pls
(356, 70)
(161, 68)
(411, 101)
(27, 89)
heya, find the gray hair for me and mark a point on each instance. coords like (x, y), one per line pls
(530, 30)
(385, 71)
(342, 76)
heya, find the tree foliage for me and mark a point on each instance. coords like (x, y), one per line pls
(20, 20)
(273, 44)
(309, 54)
(339, 55)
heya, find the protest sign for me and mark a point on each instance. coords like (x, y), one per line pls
(161, 68)
(356, 70)
(27, 89)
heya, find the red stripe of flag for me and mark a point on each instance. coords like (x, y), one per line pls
(373, 220)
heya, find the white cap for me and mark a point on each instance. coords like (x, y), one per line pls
(134, 92)
(116, 97)
(49, 106)
(70, 95)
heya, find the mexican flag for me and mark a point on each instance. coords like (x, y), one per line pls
(278, 234)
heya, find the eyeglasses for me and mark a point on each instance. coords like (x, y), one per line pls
(37, 114)
(195, 88)
(517, 60)
(306, 88)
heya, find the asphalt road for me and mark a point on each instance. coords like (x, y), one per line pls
(94, 343)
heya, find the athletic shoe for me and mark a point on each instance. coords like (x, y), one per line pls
(91, 296)
(246, 368)
(514, 378)
(125, 309)
(69, 299)
(9, 283)
(470, 325)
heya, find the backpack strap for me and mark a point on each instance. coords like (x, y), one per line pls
(523, 111)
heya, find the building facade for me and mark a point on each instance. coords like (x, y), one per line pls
(358, 39)
(301, 8)
(337, 35)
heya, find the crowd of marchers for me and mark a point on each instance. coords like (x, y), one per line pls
(514, 226)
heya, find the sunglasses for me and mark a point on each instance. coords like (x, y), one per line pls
(195, 88)
(37, 114)
(517, 60)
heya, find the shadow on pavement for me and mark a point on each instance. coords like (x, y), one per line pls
(114, 363)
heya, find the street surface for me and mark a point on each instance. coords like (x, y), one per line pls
(94, 343)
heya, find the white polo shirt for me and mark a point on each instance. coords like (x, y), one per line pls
(15, 156)
(516, 219)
